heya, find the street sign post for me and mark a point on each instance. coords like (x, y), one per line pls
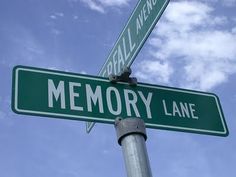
(136, 31)
(81, 97)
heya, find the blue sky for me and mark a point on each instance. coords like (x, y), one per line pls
(193, 46)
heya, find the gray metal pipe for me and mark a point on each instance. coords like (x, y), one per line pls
(131, 135)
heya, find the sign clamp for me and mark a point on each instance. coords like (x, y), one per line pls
(124, 77)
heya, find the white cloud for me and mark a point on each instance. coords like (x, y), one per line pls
(56, 15)
(155, 71)
(113, 2)
(53, 17)
(234, 30)
(101, 5)
(187, 14)
(199, 52)
(94, 6)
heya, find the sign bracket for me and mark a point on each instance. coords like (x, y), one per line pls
(124, 77)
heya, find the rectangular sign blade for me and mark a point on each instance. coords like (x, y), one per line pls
(42, 92)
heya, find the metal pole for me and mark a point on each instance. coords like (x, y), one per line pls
(131, 134)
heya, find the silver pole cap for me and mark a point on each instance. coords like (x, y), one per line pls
(129, 126)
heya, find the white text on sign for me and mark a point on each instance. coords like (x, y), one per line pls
(130, 40)
(93, 98)
(114, 101)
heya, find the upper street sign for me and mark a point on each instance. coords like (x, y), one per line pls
(135, 33)
(80, 97)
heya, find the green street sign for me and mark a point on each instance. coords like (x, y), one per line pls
(136, 31)
(64, 95)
